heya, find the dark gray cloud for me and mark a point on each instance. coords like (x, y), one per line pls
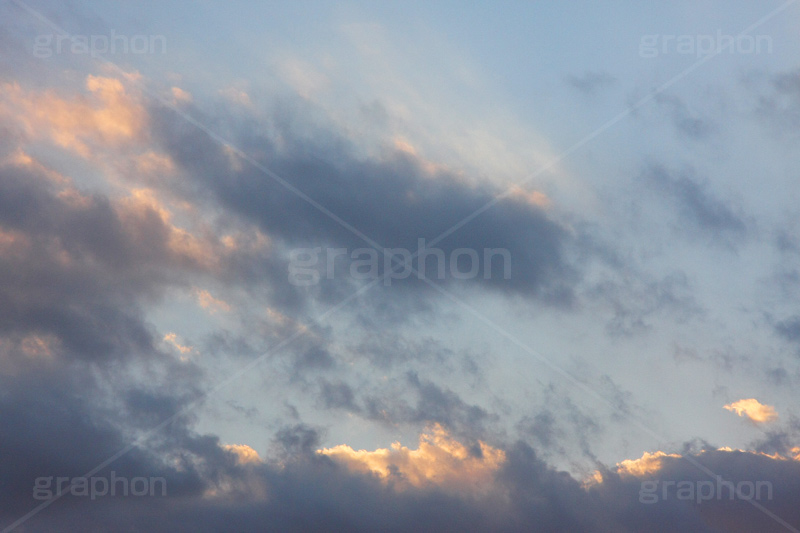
(387, 349)
(698, 208)
(415, 400)
(635, 303)
(390, 199)
(84, 273)
(590, 82)
(308, 492)
(545, 430)
(75, 270)
(61, 418)
(778, 104)
(297, 440)
(58, 421)
(789, 329)
(559, 427)
(685, 121)
(338, 395)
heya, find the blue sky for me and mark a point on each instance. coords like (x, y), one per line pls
(156, 201)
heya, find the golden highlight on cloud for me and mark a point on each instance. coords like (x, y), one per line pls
(21, 159)
(534, 198)
(652, 464)
(754, 410)
(179, 96)
(142, 209)
(244, 453)
(439, 461)
(172, 339)
(430, 168)
(153, 163)
(648, 463)
(110, 116)
(13, 243)
(209, 303)
(236, 96)
(38, 346)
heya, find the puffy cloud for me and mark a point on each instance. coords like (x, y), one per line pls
(754, 410)
(391, 198)
(244, 453)
(78, 267)
(180, 96)
(110, 115)
(439, 460)
(83, 375)
(648, 463)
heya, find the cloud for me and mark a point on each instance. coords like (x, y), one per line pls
(753, 410)
(236, 96)
(789, 329)
(180, 96)
(172, 339)
(647, 464)
(665, 472)
(109, 116)
(98, 261)
(779, 105)
(634, 300)
(244, 453)
(591, 82)
(84, 372)
(391, 199)
(439, 460)
(434, 404)
(337, 396)
(684, 119)
(211, 304)
(699, 209)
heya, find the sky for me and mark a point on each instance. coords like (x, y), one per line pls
(399, 266)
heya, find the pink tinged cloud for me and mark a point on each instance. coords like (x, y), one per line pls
(754, 410)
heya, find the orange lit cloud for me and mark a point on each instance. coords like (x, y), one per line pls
(651, 464)
(109, 115)
(13, 243)
(143, 208)
(152, 163)
(246, 485)
(38, 346)
(20, 158)
(430, 168)
(209, 303)
(754, 410)
(237, 96)
(439, 461)
(534, 198)
(244, 453)
(172, 339)
(648, 463)
(179, 96)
